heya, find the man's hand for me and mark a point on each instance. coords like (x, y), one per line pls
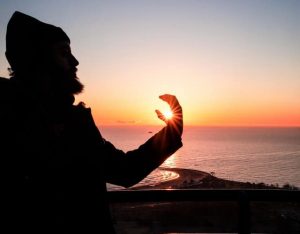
(176, 121)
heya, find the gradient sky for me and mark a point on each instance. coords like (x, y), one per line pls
(228, 62)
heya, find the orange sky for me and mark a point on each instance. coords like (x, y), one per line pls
(228, 62)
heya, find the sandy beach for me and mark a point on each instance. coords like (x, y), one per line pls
(194, 179)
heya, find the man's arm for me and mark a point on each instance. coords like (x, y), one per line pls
(127, 169)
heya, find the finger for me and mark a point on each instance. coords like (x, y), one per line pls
(172, 101)
(167, 97)
(160, 115)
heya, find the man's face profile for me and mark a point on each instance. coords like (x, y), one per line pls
(63, 56)
(63, 64)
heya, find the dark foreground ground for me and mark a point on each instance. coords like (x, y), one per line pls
(204, 217)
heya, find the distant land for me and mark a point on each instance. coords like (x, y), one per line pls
(194, 179)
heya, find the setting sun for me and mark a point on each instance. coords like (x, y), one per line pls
(224, 65)
(168, 114)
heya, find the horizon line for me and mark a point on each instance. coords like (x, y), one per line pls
(201, 125)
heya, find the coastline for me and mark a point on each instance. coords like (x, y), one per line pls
(194, 179)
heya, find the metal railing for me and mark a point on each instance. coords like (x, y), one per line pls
(242, 197)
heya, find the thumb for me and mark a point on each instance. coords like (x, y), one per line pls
(161, 116)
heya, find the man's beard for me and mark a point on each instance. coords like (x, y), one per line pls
(66, 82)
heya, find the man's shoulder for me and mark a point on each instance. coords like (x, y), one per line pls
(81, 110)
(81, 107)
(5, 86)
(82, 115)
(7, 99)
(4, 81)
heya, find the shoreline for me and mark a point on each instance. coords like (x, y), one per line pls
(194, 179)
(186, 177)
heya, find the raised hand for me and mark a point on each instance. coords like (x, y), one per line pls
(177, 120)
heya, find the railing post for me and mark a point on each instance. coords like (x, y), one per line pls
(244, 225)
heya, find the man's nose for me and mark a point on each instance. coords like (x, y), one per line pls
(74, 61)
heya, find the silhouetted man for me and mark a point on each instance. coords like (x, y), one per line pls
(54, 162)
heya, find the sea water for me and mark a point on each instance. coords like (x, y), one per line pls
(254, 154)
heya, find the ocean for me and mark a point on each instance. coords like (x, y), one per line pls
(254, 154)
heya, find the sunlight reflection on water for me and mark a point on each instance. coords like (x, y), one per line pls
(171, 161)
(157, 176)
(269, 155)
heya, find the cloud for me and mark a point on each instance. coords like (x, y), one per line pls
(126, 121)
